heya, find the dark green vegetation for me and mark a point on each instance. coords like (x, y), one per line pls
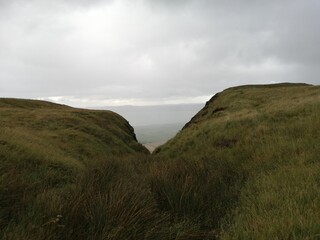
(259, 148)
(245, 167)
(56, 160)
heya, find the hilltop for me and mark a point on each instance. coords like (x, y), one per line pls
(246, 166)
(257, 151)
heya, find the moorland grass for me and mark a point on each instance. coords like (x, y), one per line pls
(270, 138)
(45, 152)
(245, 167)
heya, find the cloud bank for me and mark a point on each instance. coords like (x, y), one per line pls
(92, 53)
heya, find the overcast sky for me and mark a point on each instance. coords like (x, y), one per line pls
(89, 53)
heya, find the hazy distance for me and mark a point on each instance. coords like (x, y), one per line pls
(157, 124)
(157, 115)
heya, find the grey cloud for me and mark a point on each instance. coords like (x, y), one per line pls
(299, 34)
(154, 50)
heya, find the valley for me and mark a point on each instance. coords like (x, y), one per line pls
(246, 166)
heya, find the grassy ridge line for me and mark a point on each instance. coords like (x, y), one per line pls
(262, 145)
(59, 123)
(29, 104)
(258, 95)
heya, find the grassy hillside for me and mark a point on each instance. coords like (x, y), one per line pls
(245, 167)
(252, 167)
(47, 155)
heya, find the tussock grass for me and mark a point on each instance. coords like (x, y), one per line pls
(45, 150)
(68, 173)
(269, 136)
(245, 167)
(197, 190)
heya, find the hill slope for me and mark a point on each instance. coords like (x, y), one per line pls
(47, 153)
(257, 151)
(66, 129)
(245, 167)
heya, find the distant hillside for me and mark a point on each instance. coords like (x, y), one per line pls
(253, 154)
(157, 133)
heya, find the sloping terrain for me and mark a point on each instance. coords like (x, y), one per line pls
(245, 167)
(257, 152)
(47, 155)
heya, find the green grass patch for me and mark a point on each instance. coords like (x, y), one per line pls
(245, 167)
